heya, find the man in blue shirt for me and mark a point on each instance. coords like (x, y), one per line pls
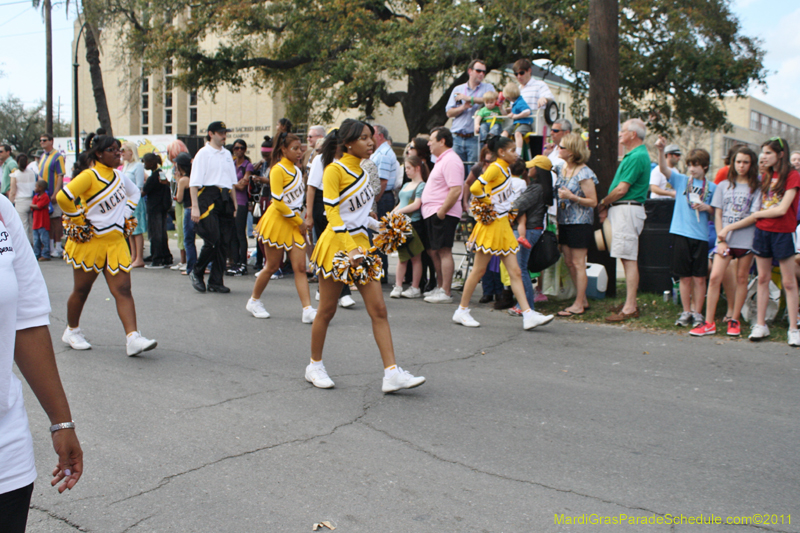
(388, 170)
(464, 101)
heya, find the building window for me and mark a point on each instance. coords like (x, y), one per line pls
(168, 100)
(145, 117)
(145, 130)
(755, 121)
(168, 129)
(145, 101)
(192, 114)
(764, 124)
(193, 129)
(168, 116)
(193, 98)
(145, 85)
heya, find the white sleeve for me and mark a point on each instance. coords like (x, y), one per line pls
(33, 304)
(132, 192)
(315, 174)
(199, 168)
(656, 177)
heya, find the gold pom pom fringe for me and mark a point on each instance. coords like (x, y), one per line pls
(395, 229)
(483, 211)
(76, 228)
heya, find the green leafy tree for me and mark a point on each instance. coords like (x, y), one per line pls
(678, 56)
(21, 126)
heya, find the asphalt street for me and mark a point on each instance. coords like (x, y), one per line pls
(216, 429)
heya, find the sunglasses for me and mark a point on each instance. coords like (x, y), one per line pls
(520, 73)
(780, 141)
(562, 148)
(556, 131)
(238, 147)
(43, 140)
(480, 70)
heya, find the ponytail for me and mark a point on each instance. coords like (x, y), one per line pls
(281, 141)
(496, 144)
(329, 149)
(335, 142)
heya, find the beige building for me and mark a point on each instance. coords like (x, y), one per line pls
(152, 105)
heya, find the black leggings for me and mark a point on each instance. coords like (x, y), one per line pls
(238, 249)
(14, 509)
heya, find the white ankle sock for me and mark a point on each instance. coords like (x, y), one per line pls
(527, 312)
(316, 363)
(391, 371)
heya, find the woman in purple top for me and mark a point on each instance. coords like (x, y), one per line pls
(238, 249)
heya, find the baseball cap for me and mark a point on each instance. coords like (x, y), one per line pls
(672, 149)
(183, 159)
(218, 126)
(541, 162)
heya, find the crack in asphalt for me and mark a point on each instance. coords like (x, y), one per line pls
(59, 518)
(137, 523)
(436, 457)
(477, 353)
(166, 480)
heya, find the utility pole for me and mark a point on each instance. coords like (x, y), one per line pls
(604, 106)
(49, 68)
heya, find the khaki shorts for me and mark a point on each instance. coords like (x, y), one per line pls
(57, 212)
(627, 223)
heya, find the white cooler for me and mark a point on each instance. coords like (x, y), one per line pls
(598, 281)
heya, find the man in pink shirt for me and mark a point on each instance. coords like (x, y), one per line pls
(441, 210)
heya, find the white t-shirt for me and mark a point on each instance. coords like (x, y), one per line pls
(212, 167)
(24, 304)
(518, 186)
(660, 180)
(315, 173)
(26, 181)
(556, 160)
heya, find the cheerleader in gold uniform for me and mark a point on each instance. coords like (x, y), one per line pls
(108, 198)
(497, 237)
(281, 229)
(348, 199)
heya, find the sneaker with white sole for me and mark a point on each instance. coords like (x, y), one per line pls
(794, 337)
(277, 275)
(256, 308)
(440, 297)
(308, 315)
(318, 376)
(346, 301)
(179, 266)
(515, 311)
(685, 319)
(698, 320)
(431, 292)
(411, 292)
(316, 296)
(462, 316)
(535, 319)
(401, 379)
(758, 332)
(706, 328)
(137, 344)
(396, 292)
(75, 338)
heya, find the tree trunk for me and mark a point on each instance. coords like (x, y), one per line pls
(48, 28)
(418, 116)
(604, 106)
(93, 58)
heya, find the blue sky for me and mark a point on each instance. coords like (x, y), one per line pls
(775, 22)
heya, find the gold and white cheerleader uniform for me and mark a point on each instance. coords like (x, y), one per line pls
(279, 227)
(494, 186)
(108, 199)
(348, 198)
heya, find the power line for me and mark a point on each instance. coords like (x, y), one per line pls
(15, 16)
(33, 33)
(15, 3)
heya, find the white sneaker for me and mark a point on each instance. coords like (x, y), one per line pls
(440, 297)
(685, 319)
(256, 308)
(396, 292)
(316, 296)
(432, 291)
(346, 301)
(794, 337)
(758, 332)
(138, 344)
(179, 266)
(401, 380)
(318, 376)
(411, 292)
(308, 315)
(462, 316)
(535, 319)
(75, 339)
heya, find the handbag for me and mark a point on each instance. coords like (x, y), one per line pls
(544, 253)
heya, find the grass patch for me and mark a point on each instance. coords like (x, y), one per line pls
(655, 314)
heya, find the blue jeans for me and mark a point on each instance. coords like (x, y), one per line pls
(497, 129)
(522, 259)
(468, 150)
(188, 239)
(41, 243)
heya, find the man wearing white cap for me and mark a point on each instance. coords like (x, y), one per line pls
(659, 185)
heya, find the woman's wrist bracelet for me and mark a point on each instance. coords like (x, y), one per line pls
(63, 425)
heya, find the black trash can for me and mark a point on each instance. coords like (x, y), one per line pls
(655, 247)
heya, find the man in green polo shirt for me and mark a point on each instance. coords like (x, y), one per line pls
(624, 207)
(7, 166)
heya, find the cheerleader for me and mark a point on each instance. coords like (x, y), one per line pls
(282, 228)
(497, 237)
(109, 198)
(348, 199)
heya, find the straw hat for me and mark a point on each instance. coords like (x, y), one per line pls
(602, 237)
